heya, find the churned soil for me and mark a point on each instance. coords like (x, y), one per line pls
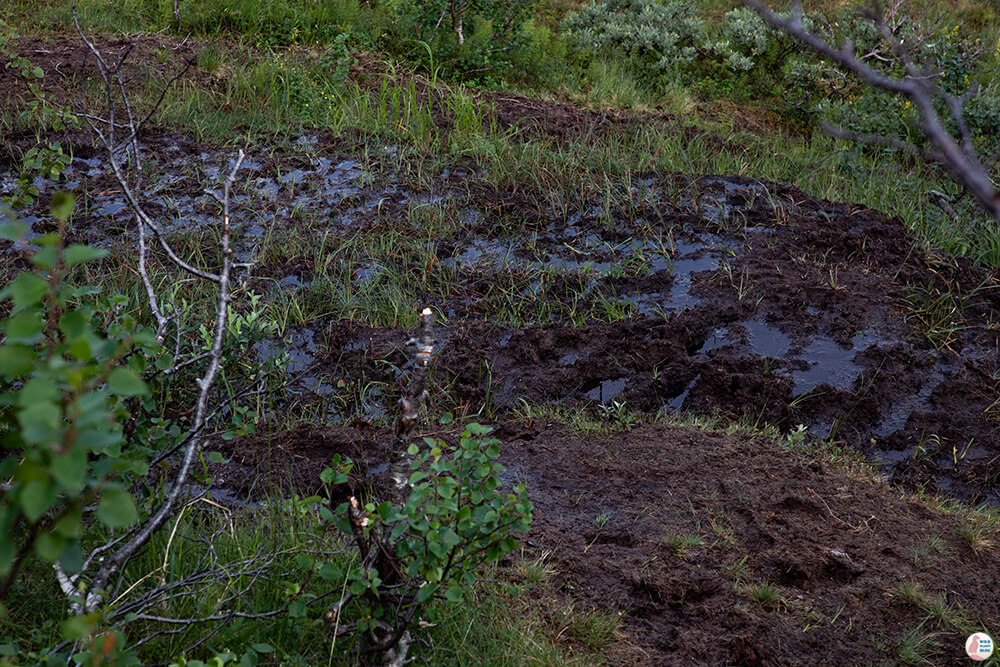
(764, 305)
(613, 510)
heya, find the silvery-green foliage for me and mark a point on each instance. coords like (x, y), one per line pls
(746, 33)
(661, 35)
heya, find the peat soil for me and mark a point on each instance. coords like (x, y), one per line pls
(703, 294)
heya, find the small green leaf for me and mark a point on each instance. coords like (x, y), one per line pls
(80, 350)
(69, 525)
(16, 360)
(24, 327)
(62, 205)
(165, 361)
(15, 230)
(124, 382)
(45, 258)
(453, 594)
(78, 254)
(297, 609)
(116, 509)
(478, 429)
(40, 423)
(71, 558)
(426, 592)
(215, 457)
(79, 626)
(70, 470)
(73, 323)
(262, 648)
(447, 418)
(36, 498)
(49, 546)
(330, 572)
(27, 289)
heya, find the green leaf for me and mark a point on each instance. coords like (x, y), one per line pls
(8, 650)
(45, 258)
(330, 572)
(453, 594)
(165, 361)
(71, 558)
(478, 429)
(124, 382)
(70, 470)
(78, 254)
(70, 524)
(38, 389)
(73, 323)
(426, 592)
(36, 498)
(16, 360)
(116, 509)
(49, 546)
(40, 423)
(215, 457)
(24, 327)
(297, 609)
(15, 230)
(80, 350)
(447, 418)
(79, 627)
(262, 648)
(48, 241)
(27, 290)
(62, 205)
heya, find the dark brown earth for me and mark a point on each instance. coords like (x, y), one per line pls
(839, 546)
(767, 307)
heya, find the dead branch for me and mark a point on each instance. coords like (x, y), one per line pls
(411, 404)
(957, 156)
(123, 548)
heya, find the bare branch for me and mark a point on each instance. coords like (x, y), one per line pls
(960, 159)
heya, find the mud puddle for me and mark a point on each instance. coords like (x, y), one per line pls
(708, 294)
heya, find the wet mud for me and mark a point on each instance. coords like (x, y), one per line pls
(711, 295)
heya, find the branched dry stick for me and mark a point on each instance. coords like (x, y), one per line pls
(957, 156)
(134, 540)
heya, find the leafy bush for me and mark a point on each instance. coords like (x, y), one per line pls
(71, 367)
(663, 37)
(454, 519)
(474, 39)
(47, 158)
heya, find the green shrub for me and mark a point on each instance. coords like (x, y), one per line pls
(662, 37)
(454, 518)
(71, 367)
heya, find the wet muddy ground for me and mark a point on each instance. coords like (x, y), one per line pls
(702, 294)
